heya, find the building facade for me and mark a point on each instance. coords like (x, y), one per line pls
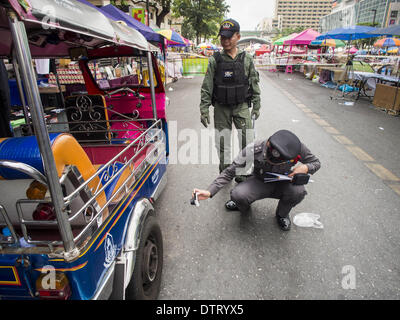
(393, 16)
(346, 13)
(265, 25)
(300, 13)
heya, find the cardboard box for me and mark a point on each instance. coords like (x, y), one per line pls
(385, 97)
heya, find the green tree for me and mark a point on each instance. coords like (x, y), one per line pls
(201, 18)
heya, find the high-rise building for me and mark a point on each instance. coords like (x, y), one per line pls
(300, 13)
(348, 13)
(265, 25)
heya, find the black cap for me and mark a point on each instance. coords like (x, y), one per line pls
(286, 143)
(228, 28)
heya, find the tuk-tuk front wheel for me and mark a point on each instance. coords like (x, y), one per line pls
(146, 278)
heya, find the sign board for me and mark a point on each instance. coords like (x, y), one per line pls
(139, 14)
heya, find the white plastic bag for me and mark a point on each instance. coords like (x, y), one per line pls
(307, 220)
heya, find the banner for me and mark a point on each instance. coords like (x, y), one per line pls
(139, 14)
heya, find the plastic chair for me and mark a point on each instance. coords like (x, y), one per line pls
(289, 69)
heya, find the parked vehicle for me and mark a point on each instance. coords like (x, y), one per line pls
(76, 197)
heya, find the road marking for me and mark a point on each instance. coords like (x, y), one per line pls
(379, 170)
(359, 153)
(313, 115)
(343, 139)
(301, 106)
(322, 122)
(331, 130)
(382, 172)
(396, 188)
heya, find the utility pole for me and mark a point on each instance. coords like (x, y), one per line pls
(148, 13)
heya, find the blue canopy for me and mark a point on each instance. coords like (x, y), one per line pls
(393, 30)
(349, 33)
(118, 15)
(115, 14)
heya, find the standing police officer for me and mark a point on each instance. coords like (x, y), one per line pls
(231, 86)
(278, 155)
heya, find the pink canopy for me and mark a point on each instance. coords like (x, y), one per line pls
(304, 37)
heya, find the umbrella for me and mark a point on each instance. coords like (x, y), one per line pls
(207, 46)
(387, 42)
(353, 50)
(335, 43)
(393, 30)
(393, 50)
(348, 33)
(172, 35)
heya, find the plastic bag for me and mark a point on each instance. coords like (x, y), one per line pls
(308, 220)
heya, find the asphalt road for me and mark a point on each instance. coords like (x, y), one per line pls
(210, 253)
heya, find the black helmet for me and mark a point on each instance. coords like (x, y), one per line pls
(284, 146)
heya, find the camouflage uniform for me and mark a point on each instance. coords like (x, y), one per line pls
(225, 115)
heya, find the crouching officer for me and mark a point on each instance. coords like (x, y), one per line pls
(278, 155)
(231, 86)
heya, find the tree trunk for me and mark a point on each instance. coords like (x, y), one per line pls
(160, 17)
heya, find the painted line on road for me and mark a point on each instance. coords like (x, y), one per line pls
(382, 172)
(342, 139)
(322, 122)
(331, 130)
(360, 154)
(395, 188)
(379, 170)
(313, 115)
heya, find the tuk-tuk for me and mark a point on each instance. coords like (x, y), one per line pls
(76, 195)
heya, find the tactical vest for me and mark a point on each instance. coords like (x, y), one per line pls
(231, 85)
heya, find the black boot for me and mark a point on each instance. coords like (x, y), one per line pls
(231, 205)
(284, 223)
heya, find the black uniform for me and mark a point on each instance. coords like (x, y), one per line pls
(254, 187)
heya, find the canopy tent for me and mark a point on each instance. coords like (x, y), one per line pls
(393, 30)
(348, 33)
(387, 42)
(187, 43)
(280, 41)
(117, 15)
(335, 43)
(263, 49)
(172, 35)
(303, 38)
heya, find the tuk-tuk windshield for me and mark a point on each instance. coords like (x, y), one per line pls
(114, 73)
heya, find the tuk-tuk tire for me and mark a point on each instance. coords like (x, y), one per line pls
(136, 288)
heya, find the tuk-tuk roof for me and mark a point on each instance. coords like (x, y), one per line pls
(52, 20)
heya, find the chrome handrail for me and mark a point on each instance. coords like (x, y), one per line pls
(24, 168)
(100, 190)
(106, 204)
(68, 198)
